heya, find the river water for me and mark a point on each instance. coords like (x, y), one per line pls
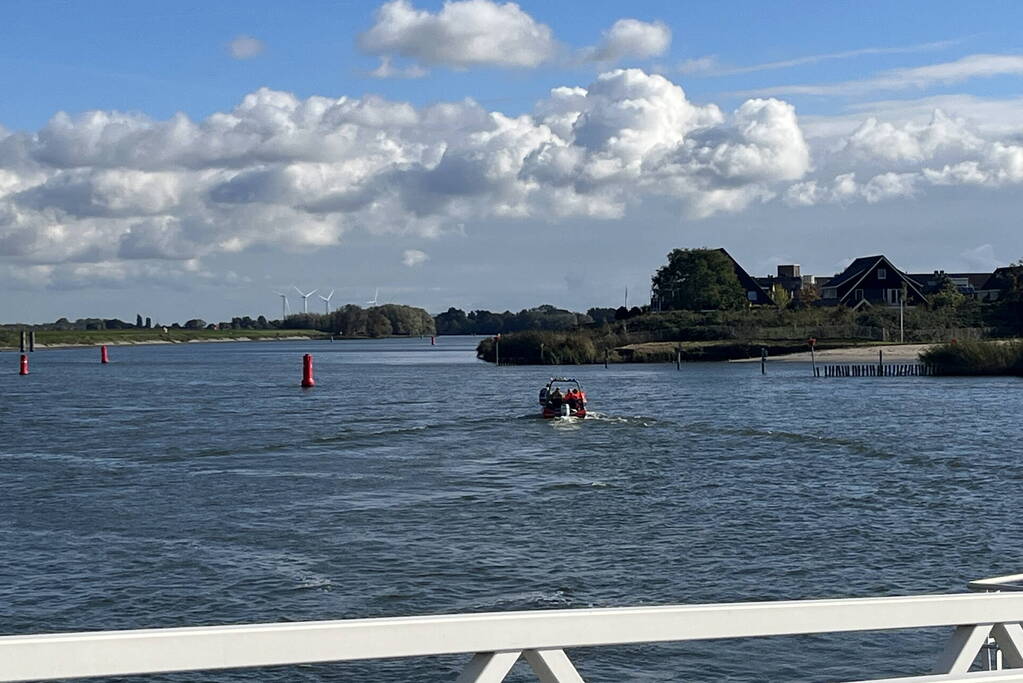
(198, 484)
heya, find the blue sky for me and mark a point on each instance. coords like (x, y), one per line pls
(483, 154)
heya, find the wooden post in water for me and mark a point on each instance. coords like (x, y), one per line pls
(23, 341)
(678, 358)
(813, 358)
(32, 341)
(605, 359)
(880, 361)
(763, 360)
(497, 349)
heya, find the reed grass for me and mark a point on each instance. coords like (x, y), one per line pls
(976, 358)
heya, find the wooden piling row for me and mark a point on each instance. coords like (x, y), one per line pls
(876, 370)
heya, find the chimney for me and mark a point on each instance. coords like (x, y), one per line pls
(788, 271)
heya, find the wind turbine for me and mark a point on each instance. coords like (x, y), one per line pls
(305, 298)
(376, 295)
(326, 302)
(284, 305)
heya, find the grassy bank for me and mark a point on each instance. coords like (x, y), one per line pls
(583, 347)
(721, 350)
(11, 338)
(976, 358)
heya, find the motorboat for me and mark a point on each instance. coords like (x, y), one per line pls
(563, 397)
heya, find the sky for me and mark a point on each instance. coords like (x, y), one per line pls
(191, 159)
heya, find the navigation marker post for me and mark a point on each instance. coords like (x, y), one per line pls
(104, 358)
(307, 372)
(24, 365)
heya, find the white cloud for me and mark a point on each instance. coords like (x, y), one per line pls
(981, 258)
(905, 159)
(246, 47)
(463, 34)
(988, 116)
(966, 68)
(721, 70)
(387, 70)
(414, 257)
(298, 174)
(698, 65)
(631, 38)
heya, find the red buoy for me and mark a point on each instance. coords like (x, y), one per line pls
(307, 371)
(103, 357)
(24, 365)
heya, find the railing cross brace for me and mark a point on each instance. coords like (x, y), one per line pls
(550, 666)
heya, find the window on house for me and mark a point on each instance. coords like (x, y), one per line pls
(752, 296)
(882, 273)
(831, 292)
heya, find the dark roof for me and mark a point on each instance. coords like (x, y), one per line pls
(854, 270)
(747, 281)
(862, 266)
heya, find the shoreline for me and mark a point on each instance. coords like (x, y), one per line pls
(904, 353)
(159, 342)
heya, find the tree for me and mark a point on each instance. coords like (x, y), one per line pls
(698, 279)
(453, 321)
(138, 320)
(149, 323)
(377, 325)
(948, 295)
(781, 296)
(601, 315)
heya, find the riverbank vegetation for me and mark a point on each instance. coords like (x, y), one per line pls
(588, 346)
(388, 320)
(349, 321)
(10, 338)
(709, 316)
(976, 358)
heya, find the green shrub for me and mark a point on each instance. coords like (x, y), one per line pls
(976, 358)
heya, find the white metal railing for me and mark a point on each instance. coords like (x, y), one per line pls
(497, 640)
(1010, 582)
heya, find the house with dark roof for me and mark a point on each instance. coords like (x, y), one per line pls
(968, 284)
(871, 280)
(756, 295)
(998, 284)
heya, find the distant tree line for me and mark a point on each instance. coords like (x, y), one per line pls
(542, 318)
(379, 321)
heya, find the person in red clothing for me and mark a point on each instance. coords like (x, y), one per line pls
(572, 398)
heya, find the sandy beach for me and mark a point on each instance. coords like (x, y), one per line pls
(894, 353)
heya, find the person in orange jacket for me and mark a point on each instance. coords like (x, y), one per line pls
(572, 398)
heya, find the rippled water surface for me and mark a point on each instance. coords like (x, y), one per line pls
(198, 484)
